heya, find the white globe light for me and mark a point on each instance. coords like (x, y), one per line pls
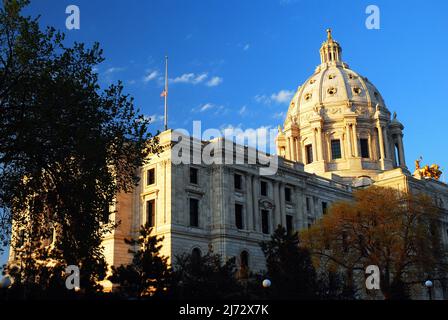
(428, 283)
(266, 283)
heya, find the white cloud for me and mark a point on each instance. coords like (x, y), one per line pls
(155, 118)
(246, 47)
(190, 78)
(242, 110)
(206, 107)
(261, 138)
(217, 109)
(262, 99)
(150, 76)
(215, 81)
(279, 115)
(283, 96)
(114, 70)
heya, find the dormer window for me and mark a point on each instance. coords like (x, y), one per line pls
(331, 76)
(308, 96)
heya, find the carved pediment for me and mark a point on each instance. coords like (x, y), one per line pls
(266, 204)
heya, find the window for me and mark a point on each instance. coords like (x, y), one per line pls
(289, 224)
(244, 265)
(332, 91)
(324, 207)
(196, 258)
(357, 90)
(364, 148)
(336, 149)
(150, 213)
(194, 175)
(308, 205)
(397, 155)
(238, 182)
(309, 153)
(244, 259)
(194, 212)
(265, 221)
(239, 216)
(151, 176)
(264, 188)
(288, 194)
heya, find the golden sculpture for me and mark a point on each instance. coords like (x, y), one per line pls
(427, 172)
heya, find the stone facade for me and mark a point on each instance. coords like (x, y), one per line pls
(338, 135)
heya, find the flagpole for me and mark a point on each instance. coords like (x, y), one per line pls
(166, 93)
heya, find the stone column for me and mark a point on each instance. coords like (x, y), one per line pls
(255, 186)
(298, 214)
(401, 150)
(386, 143)
(348, 140)
(277, 205)
(381, 141)
(249, 204)
(294, 149)
(319, 144)
(291, 149)
(298, 150)
(314, 145)
(282, 205)
(355, 140)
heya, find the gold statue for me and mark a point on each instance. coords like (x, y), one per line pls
(427, 172)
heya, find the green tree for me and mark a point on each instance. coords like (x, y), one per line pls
(289, 267)
(148, 274)
(67, 148)
(398, 232)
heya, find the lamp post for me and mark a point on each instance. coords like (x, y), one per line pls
(428, 285)
(266, 284)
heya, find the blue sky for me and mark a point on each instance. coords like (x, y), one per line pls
(234, 63)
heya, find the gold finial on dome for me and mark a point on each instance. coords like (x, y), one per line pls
(329, 34)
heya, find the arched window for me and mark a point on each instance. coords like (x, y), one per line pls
(244, 257)
(195, 257)
(397, 155)
(244, 264)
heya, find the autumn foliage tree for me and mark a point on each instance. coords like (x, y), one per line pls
(397, 231)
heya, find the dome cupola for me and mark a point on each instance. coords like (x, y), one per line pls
(331, 51)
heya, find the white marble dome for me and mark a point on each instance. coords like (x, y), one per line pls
(334, 84)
